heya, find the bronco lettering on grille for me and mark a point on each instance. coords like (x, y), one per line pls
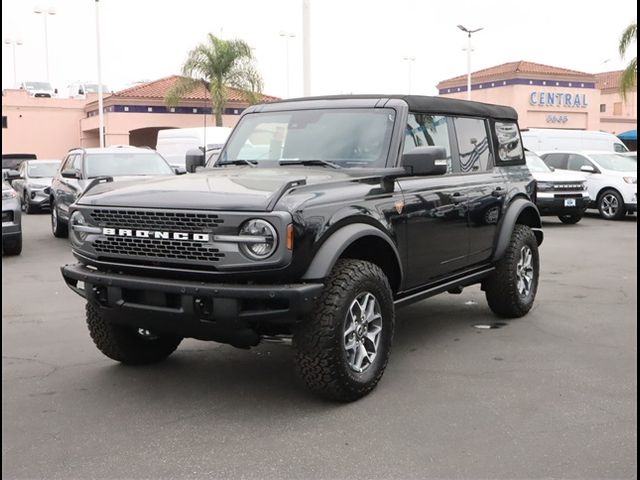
(158, 235)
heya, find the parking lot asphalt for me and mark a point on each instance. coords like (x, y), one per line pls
(551, 395)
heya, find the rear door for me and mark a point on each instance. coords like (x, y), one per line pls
(434, 210)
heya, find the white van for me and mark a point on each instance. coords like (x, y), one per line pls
(174, 143)
(545, 139)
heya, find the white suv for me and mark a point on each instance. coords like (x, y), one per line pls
(611, 178)
(558, 192)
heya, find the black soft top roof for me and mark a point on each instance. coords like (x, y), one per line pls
(436, 105)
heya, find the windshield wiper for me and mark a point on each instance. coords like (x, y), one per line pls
(240, 161)
(325, 163)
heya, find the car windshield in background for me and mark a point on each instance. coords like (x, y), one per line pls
(344, 137)
(125, 164)
(618, 163)
(93, 88)
(37, 86)
(536, 164)
(42, 169)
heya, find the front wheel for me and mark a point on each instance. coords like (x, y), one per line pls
(570, 219)
(511, 288)
(13, 245)
(58, 227)
(343, 348)
(128, 345)
(611, 205)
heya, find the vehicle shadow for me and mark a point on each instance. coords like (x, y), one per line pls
(201, 376)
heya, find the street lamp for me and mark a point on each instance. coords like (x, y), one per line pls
(409, 60)
(45, 13)
(13, 43)
(100, 103)
(287, 36)
(469, 32)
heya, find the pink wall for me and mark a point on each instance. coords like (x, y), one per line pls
(47, 127)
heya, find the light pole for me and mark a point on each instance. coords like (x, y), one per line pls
(45, 14)
(13, 43)
(287, 36)
(409, 60)
(306, 48)
(100, 104)
(469, 32)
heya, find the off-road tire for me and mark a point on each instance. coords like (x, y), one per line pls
(570, 219)
(58, 227)
(12, 246)
(124, 344)
(501, 287)
(321, 359)
(621, 211)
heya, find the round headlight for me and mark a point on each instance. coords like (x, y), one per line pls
(265, 239)
(77, 237)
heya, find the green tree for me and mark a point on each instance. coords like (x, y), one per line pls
(217, 64)
(628, 80)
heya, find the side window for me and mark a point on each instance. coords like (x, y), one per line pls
(577, 161)
(473, 144)
(509, 144)
(77, 162)
(68, 163)
(427, 130)
(556, 160)
(618, 147)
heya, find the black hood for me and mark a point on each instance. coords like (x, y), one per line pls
(230, 188)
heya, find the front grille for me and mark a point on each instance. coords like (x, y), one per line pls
(157, 220)
(7, 216)
(160, 249)
(568, 186)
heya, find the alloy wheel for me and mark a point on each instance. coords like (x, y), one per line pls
(362, 331)
(525, 271)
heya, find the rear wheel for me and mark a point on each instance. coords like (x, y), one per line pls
(343, 348)
(570, 219)
(129, 345)
(512, 287)
(611, 205)
(59, 228)
(12, 245)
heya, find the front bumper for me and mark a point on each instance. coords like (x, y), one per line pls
(229, 313)
(38, 198)
(551, 204)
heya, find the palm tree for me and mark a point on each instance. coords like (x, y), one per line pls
(217, 64)
(628, 80)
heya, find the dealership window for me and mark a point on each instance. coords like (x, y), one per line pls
(424, 130)
(617, 108)
(4, 121)
(473, 144)
(603, 107)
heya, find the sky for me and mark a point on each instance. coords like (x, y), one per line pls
(357, 46)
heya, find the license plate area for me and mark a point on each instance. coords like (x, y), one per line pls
(569, 202)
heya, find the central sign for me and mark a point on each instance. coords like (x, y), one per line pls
(155, 234)
(550, 99)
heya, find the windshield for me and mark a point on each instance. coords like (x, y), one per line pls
(125, 164)
(93, 88)
(42, 169)
(618, 163)
(346, 137)
(536, 164)
(37, 86)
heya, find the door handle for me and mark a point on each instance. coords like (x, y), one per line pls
(458, 197)
(498, 192)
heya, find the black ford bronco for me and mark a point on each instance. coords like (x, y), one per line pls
(321, 217)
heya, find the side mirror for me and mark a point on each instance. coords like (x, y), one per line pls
(13, 175)
(426, 161)
(55, 91)
(588, 169)
(80, 91)
(193, 159)
(179, 170)
(70, 173)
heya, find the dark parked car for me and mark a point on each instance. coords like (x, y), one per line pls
(32, 184)
(11, 221)
(83, 168)
(321, 218)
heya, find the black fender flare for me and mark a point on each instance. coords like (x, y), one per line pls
(508, 223)
(331, 250)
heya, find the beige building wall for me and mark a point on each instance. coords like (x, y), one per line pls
(619, 115)
(48, 127)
